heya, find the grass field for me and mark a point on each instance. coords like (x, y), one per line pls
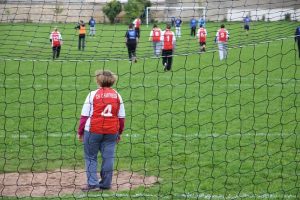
(208, 129)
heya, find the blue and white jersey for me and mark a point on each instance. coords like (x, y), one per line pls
(131, 35)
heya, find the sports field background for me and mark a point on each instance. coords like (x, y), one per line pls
(207, 129)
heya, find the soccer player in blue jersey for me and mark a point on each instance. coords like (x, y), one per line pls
(297, 38)
(92, 24)
(201, 22)
(178, 23)
(247, 21)
(193, 26)
(131, 39)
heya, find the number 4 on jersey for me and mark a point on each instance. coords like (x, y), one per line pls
(107, 111)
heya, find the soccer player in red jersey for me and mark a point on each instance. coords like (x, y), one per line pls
(155, 35)
(56, 42)
(221, 39)
(168, 45)
(100, 128)
(137, 26)
(202, 34)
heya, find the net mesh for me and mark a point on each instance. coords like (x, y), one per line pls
(208, 129)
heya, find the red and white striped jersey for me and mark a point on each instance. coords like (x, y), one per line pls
(104, 107)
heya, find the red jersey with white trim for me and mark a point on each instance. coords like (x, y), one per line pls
(168, 39)
(155, 34)
(202, 34)
(104, 108)
(56, 39)
(137, 23)
(222, 35)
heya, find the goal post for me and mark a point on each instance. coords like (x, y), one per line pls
(182, 8)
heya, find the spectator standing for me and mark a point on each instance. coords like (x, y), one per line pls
(101, 125)
(81, 33)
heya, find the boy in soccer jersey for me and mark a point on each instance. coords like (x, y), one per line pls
(100, 127)
(221, 39)
(297, 38)
(178, 23)
(202, 34)
(168, 45)
(155, 35)
(131, 39)
(56, 42)
(92, 24)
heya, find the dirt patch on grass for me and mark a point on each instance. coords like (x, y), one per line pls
(63, 182)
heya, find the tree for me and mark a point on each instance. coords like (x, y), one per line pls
(112, 9)
(136, 8)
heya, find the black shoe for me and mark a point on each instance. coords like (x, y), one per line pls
(89, 188)
(104, 188)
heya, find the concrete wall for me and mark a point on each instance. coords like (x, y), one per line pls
(275, 14)
(47, 13)
(75, 10)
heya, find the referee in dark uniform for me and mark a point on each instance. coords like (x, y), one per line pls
(131, 39)
(297, 38)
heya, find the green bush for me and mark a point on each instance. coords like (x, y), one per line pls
(136, 8)
(112, 9)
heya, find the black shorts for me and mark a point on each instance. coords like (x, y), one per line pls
(202, 43)
(246, 27)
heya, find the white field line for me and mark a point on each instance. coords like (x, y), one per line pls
(150, 76)
(194, 196)
(276, 83)
(62, 86)
(199, 135)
